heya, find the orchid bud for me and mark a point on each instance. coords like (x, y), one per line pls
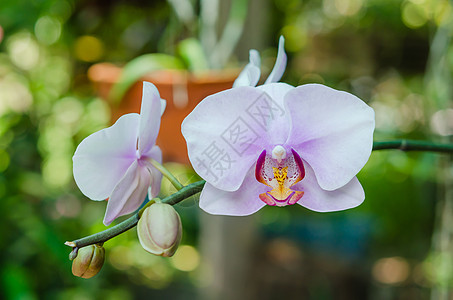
(159, 229)
(89, 261)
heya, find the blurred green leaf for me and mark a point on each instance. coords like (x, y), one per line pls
(193, 55)
(140, 66)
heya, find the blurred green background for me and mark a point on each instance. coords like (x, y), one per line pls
(396, 55)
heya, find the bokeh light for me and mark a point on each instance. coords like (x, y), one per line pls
(23, 50)
(14, 94)
(348, 7)
(414, 15)
(89, 48)
(391, 270)
(48, 30)
(443, 12)
(186, 258)
(442, 122)
(295, 38)
(438, 268)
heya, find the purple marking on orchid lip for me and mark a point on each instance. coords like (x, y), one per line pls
(268, 199)
(296, 197)
(282, 200)
(299, 163)
(293, 198)
(259, 166)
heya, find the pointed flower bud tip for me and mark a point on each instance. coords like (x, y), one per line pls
(89, 261)
(160, 230)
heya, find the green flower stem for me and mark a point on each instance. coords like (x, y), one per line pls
(166, 173)
(185, 192)
(100, 237)
(413, 145)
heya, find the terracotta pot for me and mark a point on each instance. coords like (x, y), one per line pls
(182, 90)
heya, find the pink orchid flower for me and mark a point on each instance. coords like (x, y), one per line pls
(114, 162)
(278, 145)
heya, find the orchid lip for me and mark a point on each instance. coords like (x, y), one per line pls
(280, 172)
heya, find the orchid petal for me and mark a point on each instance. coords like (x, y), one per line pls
(102, 158)
(163, 106)
(156, 176)
(149, 118)
(245, 201)
(129, 193)
(332, 131)
(280, 63)
(226, 132)
(251, 73)
(278, 132)
(317, 199)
